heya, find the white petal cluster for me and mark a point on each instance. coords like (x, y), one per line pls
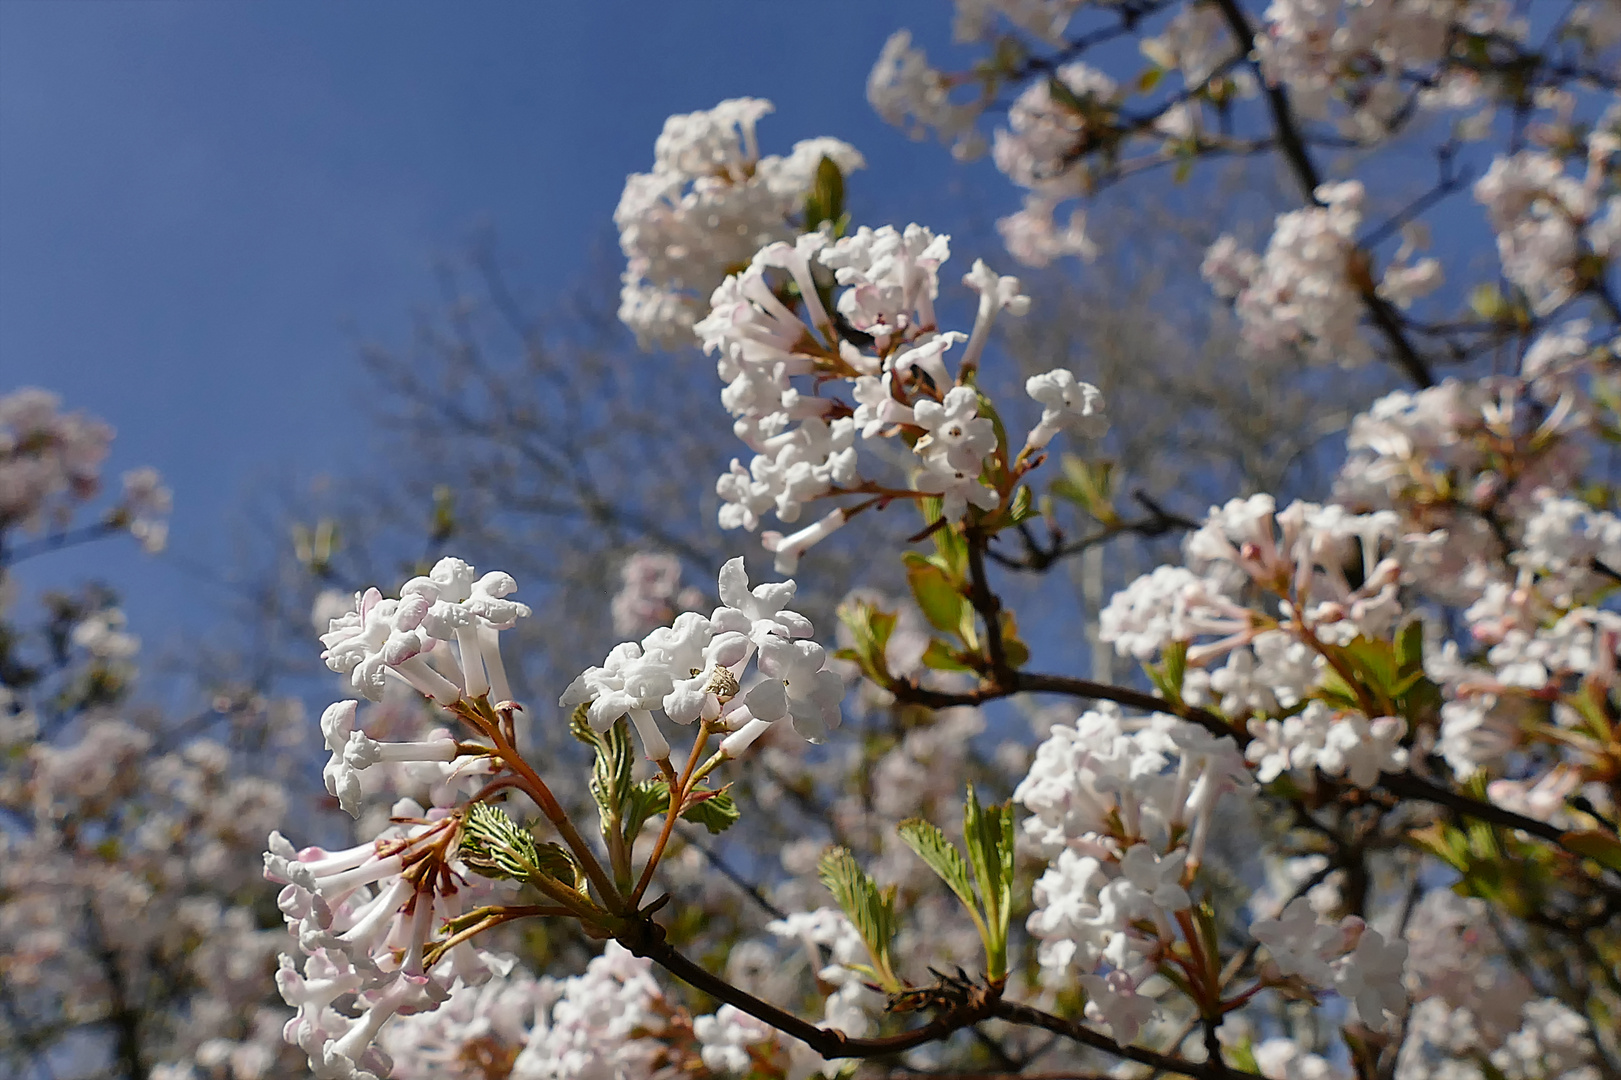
(908, 93)
(1540, 216)
(606, 1022)
(603, 1023)
(726, 1037)
(709, 204)
(1349, 957)
(1126, 807)
(1066, 403)
(1357, 54)
(1301, 293)
(975, 20)
(1040, 150)
(694, 669)
(881, 343)
(410, 637)
(48, 458)
(362, 925)
(353, 752)
(851, 1006)
(1340, 742)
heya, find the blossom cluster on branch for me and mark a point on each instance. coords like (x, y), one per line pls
(1354, 816)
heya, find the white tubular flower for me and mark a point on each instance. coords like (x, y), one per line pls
(956, 432)
(363, 918)
(342, 780)
(798, 686)
(1154, 880)
(380, 636)
(957, 489)
(1360, 749)
(471, 611)
(1299, 943)
(1371, 976)
(1065, 402)
(876, 406)
(691, 670)
(626, 684)
(788, 549)
(997, 293)
(760, 613)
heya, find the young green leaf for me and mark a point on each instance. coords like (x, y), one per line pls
(870, 910)
(938, 599)
(942, 856)
(715, 810)
(643, 801)
(988, 832)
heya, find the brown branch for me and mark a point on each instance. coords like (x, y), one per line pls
(647, 939)
(973, 1003)
(1015, 1013)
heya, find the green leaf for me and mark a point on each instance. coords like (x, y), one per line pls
(1089, 485)
(1149, 78)
(942, 657)
(715, 810)
(1596, 845)
(870, 910)
(1168, 674)
(988, 832)
(1410, 647)
(942, 856)
(643, 801)
(939, 600)
(1013, 646)
(1023, 507)
(825, 200)
(614, 764)
(870, 630)
(1487, 302)
(951, 550)
(495, 846)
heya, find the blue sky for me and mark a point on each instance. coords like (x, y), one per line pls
(202, 203)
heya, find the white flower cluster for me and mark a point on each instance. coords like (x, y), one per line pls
(694, 669)
(1302, 293)
(1041, 150)
(1126, 807)
(362, 918)
(1348, 957)
(710, 202)
(127, 878)
(604, 1023)
(650, 593)
(1544, 220)
(49, 459)
(50, 464)
(410, 637)
(1364, 56)
(888, 349)
(731, 1039)
(907, 92)
(1472, 1009)
(974, 20)
(1305, 555)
